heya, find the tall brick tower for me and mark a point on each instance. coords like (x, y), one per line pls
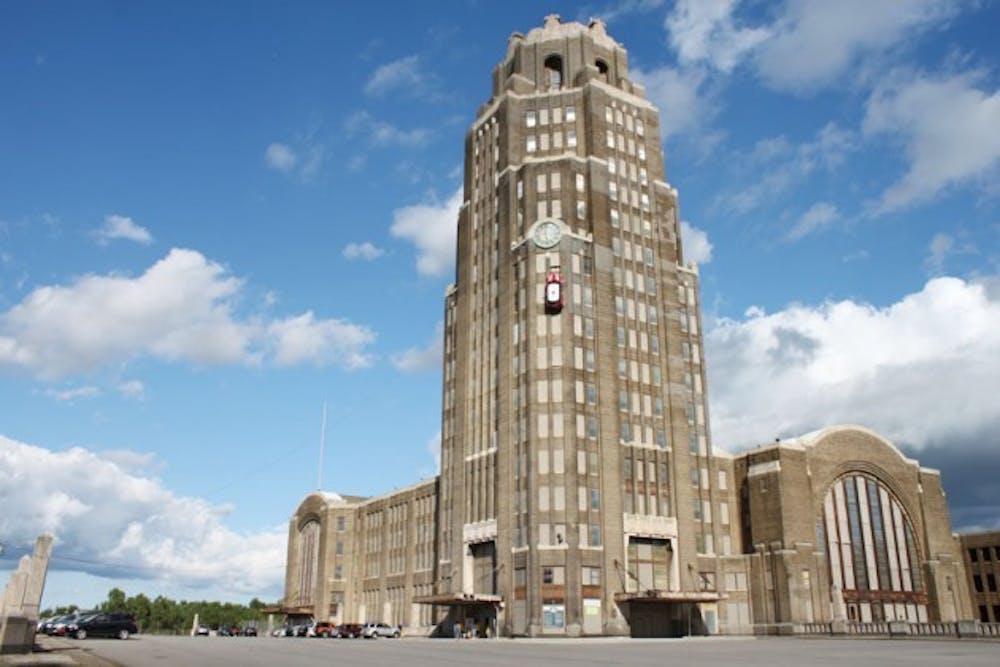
(577, 474)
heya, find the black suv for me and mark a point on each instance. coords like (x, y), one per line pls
(103, 625)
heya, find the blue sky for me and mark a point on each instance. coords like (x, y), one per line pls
(215, 219)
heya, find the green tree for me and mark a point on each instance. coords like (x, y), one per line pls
(115, 602)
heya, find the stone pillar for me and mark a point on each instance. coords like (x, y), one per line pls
(35, 585)
(838, 625)
(22, 598)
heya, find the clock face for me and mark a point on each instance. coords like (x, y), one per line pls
(547, 234)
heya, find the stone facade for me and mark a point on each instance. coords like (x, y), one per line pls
(579, 491)
(981, 552)
(839, 525)
(353, 559)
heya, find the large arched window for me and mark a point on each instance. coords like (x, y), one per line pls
(308, 561)
(553, 72)
(872, 551)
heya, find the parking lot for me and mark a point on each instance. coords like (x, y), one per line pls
(146, 651)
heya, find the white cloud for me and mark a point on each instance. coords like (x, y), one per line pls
(941, 248)
(819, 216)
(403, 73)
(704, 31)
(949, 130)
(434, 449)
(697, 247)
(304, 339)
(814, 42)
(74, 393)
(365, 250)
(180, 309)
(304, 160)
(424, 358)
(623, 8)
(856, 256)
(923, 371)
(432, 228)
(281, 157)
(312, 162)
(122, 227)
(381, 133)
(109, 519)
(778, 165)
(683, 99)
(132, 389)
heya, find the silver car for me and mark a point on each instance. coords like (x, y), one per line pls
(376, 630)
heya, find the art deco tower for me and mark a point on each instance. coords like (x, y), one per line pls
(577, 477)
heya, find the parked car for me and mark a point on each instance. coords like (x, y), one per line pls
(49, 624)
(202, 631)
(250, 631)
(229, 630)
(349, 630)
(121, 626)
(376, 630)
(61, 624)
(321, 629)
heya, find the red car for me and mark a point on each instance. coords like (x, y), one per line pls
(349, 630)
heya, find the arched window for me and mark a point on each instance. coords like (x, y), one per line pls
(872, 551)
(602, 68)
(554, 72)
(308, 561)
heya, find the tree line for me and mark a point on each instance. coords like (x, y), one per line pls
(164, 616)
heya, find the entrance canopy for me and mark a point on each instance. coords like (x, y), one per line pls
(669, 596)
(459, 599)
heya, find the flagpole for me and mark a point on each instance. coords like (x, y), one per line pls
(322, 446)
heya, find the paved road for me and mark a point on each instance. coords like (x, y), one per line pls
(151, 651)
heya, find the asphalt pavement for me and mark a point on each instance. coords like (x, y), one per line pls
(155, 651)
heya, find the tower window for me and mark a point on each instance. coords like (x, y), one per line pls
(602, 68)
(553, 72)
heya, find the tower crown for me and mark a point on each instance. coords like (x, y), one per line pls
(562, 55)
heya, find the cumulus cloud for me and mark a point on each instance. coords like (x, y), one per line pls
(183, 308)
(280, 157)
(697, 247)
(303, 338)
(808, 44)
(924, 371)
(705, 31)
(365, 250)
(109, 519)
(819, 216)
(432, 228)
(948, 127)
(403, 73)
(122, 227)
(424, 358)
(814, 42)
